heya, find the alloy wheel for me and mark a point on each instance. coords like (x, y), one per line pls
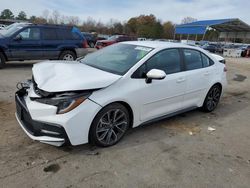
(111, 126)
(68, 57)
(213, 98)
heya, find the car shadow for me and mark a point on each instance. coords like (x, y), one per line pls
(19, 65)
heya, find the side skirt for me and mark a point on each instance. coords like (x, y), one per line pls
(168, 115)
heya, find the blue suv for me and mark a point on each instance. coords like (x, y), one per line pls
(34, 42)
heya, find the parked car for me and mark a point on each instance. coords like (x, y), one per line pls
(91, 39)
(112, 40)
(245, 51)
(2, 26)
(213, 48)
(124, 85)
(31, 41)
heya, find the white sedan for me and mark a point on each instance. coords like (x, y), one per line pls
(124, 85)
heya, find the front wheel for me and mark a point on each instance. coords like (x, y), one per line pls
(212, 99)
(109, 125)
(67, 56)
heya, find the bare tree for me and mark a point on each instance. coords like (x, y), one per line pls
(73, 20)
(55, 16)
(45, 14)
(188, 20)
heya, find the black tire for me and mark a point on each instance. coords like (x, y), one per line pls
(109, 126)
(67, 55)
(2, 60)
(212, 99)
(91, 44)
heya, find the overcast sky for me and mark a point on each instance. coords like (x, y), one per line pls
(122, 10)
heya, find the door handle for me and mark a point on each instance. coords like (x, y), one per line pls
(180, 80)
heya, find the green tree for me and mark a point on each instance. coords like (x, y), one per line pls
(7, 14)
(145, 26)
(169, 29)
(33, 18)
(21, 16)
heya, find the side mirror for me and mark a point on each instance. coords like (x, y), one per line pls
(18, 38)
(155, 74)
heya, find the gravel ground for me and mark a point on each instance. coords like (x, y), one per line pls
(176, 152)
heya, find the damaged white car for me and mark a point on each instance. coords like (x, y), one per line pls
(121, 86)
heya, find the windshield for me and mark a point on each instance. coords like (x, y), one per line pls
(117, 58)
(11, 30)
(113, 37)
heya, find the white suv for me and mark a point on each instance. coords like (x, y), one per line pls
(121, 86)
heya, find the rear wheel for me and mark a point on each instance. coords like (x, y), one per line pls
(67, 56)
(109, 125)
(2, 60)
(212, 99)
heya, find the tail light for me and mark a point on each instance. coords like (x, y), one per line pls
(85, 44)
(225, 69)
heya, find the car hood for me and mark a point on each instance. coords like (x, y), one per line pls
(59, 76)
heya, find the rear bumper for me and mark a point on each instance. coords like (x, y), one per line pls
(40, 131)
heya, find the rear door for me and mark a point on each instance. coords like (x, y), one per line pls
(50, 43)
(26, 44)
(198, 72)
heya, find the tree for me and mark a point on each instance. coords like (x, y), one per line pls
(145, 26)
(7, 14)
(21, 16)
(169, 29)
(188, 20)
(32, 18)
(39, 20)
(118, 28)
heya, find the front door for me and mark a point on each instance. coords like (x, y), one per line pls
(26, 44)
(161, 97)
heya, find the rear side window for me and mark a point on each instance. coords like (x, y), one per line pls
(192, 59)
(67, 34)
(49, 34)
(167, 60)
(205, 60)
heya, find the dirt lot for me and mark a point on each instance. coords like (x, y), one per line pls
(164, 154)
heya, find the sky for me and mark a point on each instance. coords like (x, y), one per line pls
(122, 10)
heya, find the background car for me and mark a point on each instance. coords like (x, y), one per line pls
(91, 39)
(33, 42)
(112, 40)
(213, 48)
(2, 26)
(138, 82)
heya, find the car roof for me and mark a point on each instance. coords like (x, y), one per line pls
(160, 44)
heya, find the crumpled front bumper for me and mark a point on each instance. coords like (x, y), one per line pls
(40, 131)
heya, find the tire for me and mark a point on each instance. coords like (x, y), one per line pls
(109, 126)
(212, 99)
(91, 45)
(67, 55)
(2, 60)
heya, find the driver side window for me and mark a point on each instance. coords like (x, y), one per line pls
(30, 34)
(167, 60)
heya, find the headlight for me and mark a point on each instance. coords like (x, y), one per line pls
(66, 106)
(65, 102)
